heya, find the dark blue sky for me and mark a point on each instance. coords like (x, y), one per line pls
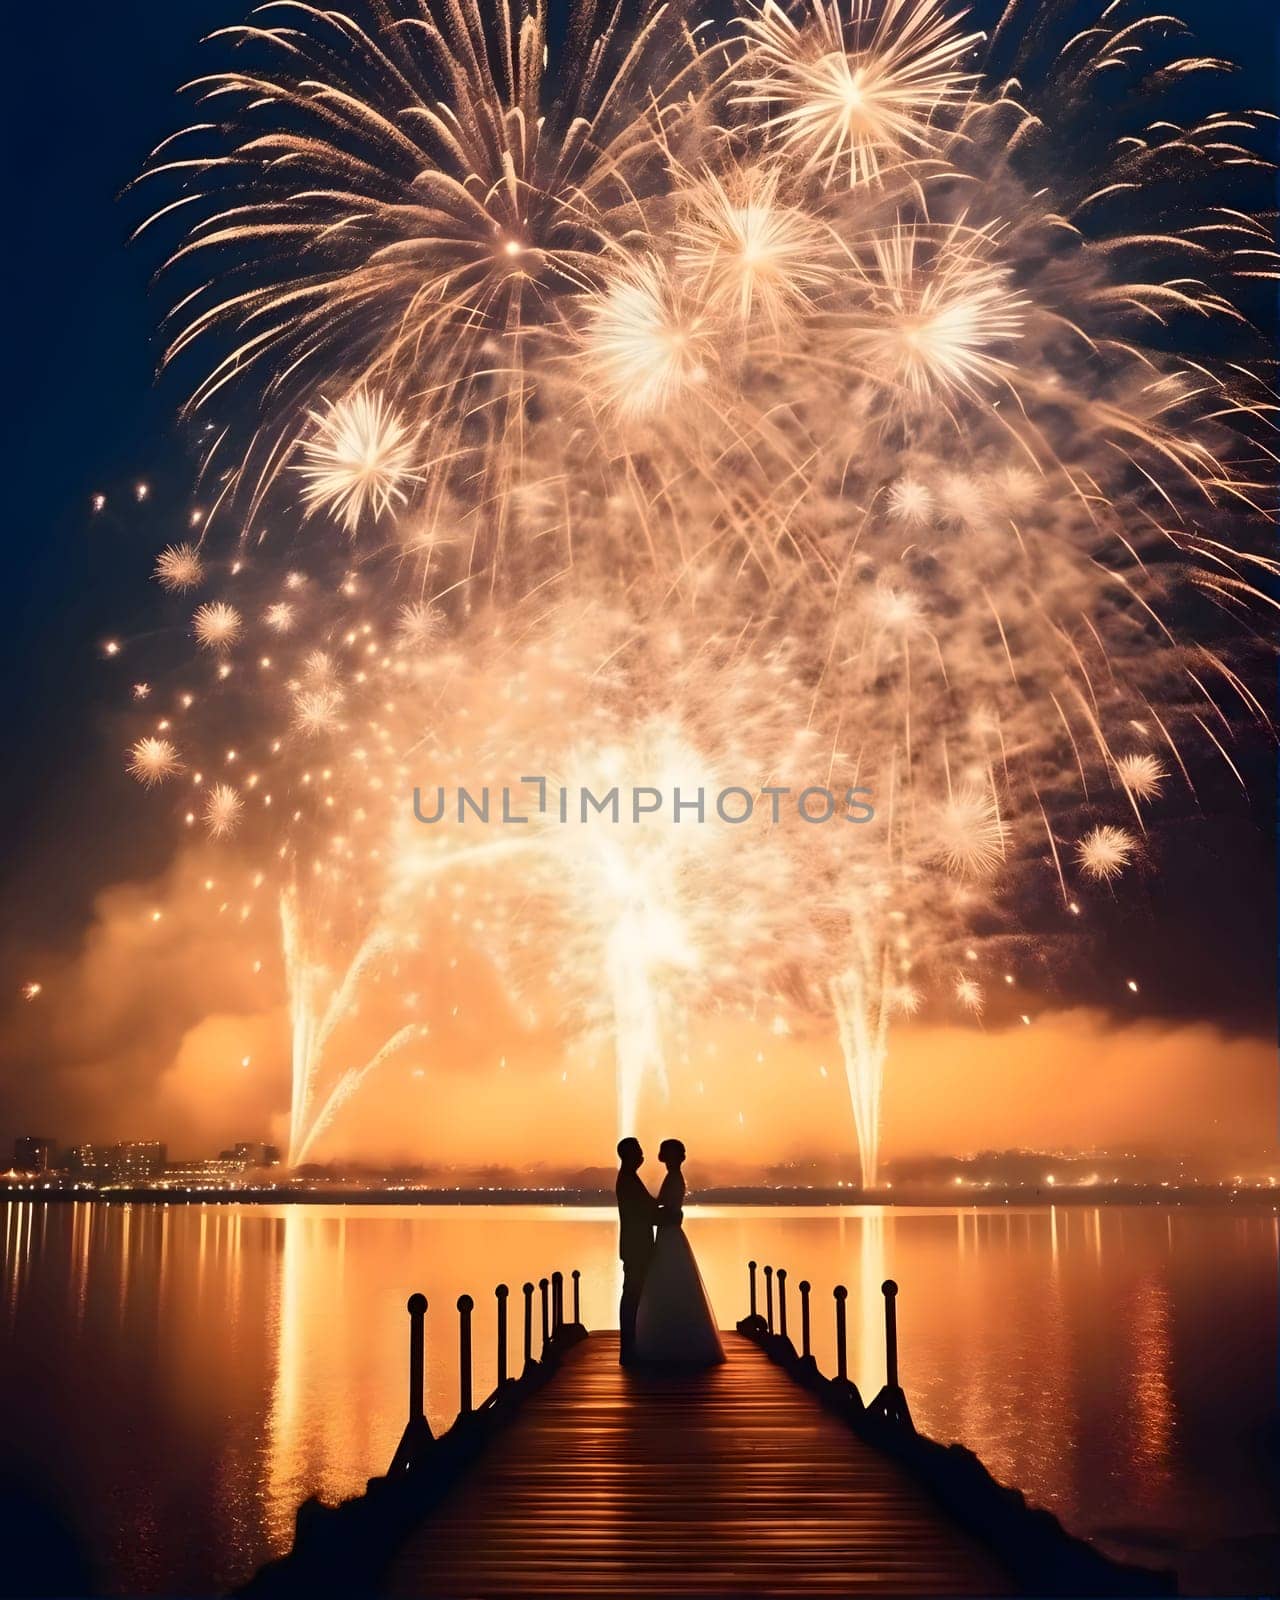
(91, 89)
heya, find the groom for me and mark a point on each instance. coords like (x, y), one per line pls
(637, 1213)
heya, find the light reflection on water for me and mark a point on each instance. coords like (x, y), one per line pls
(184, 1377)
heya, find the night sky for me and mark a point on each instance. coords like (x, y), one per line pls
(91, 90)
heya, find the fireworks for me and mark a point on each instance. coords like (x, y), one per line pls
(745, 252)
(411, 196)
(860, 85)
(357, 460)
(316, 710)
(222, 811)
(179, 568)
(910, 502)
(969, 995)
(420, 623)
(152, 760)
(1142, 775)
(971, 833)
(217, 625)
(1105, 852)
(280, 616)
(937, 327)
(764, 403)
(645, 343)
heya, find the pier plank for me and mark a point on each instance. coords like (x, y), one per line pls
(731, 1480)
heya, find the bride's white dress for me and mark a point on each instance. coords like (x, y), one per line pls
(675, 1321)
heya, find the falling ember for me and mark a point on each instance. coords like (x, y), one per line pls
(32, 991)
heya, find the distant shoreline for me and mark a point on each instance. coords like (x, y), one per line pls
(1264, 1200)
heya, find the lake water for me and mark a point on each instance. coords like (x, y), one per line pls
(178, 1379)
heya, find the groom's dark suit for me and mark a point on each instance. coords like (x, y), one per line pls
(637, 1213)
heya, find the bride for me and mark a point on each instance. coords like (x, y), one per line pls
(674, 1321)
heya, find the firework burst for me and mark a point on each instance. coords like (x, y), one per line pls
(357, 460)
(647, 344)
(179, 568)
(685, 370)
(223, 809)
(1105, 852)
(152, 760)
(217, 625)
(746, 253)
(854, 84)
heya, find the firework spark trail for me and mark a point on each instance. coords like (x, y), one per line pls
(861, 1001)
(641, 378)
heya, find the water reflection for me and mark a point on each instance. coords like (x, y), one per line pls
(187, 1376)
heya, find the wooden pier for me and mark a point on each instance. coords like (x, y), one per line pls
(730, 1480)
(762, 1476)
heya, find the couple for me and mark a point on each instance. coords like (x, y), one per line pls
(665, 1314)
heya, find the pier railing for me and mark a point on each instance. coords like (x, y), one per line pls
(346, 1549)
(548, 1324)
(1042, 1557)
(772, 1331)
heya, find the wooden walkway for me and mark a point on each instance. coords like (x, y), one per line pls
(727, 1481)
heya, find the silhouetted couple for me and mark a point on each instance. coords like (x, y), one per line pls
(665, 1314)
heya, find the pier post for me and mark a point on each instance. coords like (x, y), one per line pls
(543, 1286)
(417, 1309)
(841, 1294)
(806, 1349)
(500, 1294)
(890, 1291)
(841, 1383)
(417, 1437)
(527, 1291)
(751, 1276)
(577, 1305)
(891, 1403)
(465, 1307)
(768, 1298)
(557, 1302)
(782, 1301)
